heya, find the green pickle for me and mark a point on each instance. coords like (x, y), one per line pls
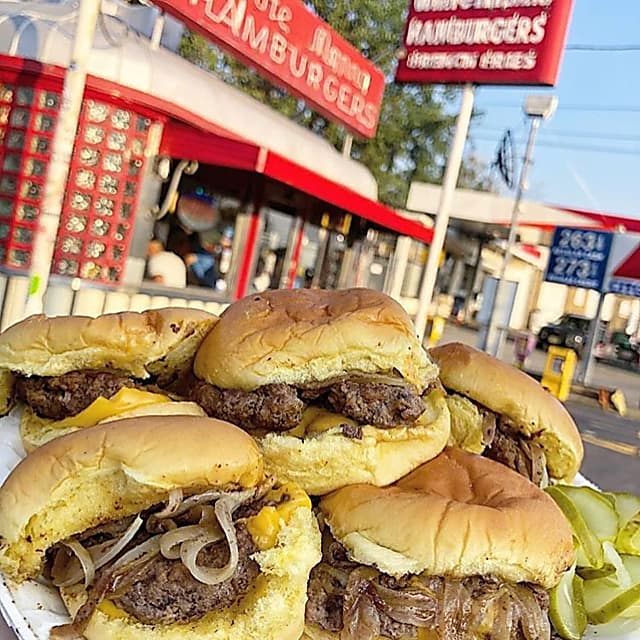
(566, 606)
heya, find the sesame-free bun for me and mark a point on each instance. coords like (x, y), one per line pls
(274, 610)
(111, 471)
(140, 344)
(302, 337)
(458, 515)
(36, 431)
(325, 461)
(508, 391)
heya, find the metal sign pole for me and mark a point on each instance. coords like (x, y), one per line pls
(444, 209)
(61, 152)
(495, 346)
(586, 369)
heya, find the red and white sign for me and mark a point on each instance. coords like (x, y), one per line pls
(623, 272)
(295, 49)
(517, 42)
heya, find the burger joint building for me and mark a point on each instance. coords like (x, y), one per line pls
(290, 211)
(160, 138)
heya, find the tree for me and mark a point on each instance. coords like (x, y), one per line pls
(416, 122)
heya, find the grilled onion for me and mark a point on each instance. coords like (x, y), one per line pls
(171, 541)
(86, 562)
(174, 502)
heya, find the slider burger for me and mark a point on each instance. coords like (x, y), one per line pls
(73, 372)
(161, 528)
(462, 548)
(334, 384)
(503, 413)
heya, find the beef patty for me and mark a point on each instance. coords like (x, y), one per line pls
(58, 397)
(279, 407)
(165, 592)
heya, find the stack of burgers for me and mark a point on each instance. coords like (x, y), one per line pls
(299, 467)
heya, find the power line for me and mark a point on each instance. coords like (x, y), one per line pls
(570, 147)
(568, 107)
(603, 47)
(618, 137)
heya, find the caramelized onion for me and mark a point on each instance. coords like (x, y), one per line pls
(174, 502)
(189, 550)
(360, 615)
(102, 559)
(86, 562)
(171, 541)
(412, 606)
(534, 622)
(145, 550)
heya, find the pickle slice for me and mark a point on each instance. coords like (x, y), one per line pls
(596, 509)
(627, 506)
(587, 573)
(590, 552)
(605, 599)
(566, 606)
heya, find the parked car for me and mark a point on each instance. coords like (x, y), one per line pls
(568, 331)
(619, 350)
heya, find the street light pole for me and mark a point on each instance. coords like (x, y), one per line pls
(538, 108)
(61, 152)
(444, 209)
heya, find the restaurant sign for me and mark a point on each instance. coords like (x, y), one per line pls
(289, 44)
(515, 42)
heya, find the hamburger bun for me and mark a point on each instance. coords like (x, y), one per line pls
(120, 468)
(36, 431)
(309, 336)
(508, 391)
(140, 344)
(327, 460)
(458, 515)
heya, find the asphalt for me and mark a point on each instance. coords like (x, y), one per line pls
(611, 442)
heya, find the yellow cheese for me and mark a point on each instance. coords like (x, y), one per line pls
(111, 610)
(318, 420)
(265, 526)
(124, 400)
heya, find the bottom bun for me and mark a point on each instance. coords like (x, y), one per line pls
(311, 632)
(273, 610)
(36, 431)
(328, 461)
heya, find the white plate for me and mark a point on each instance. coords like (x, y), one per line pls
(31, 609)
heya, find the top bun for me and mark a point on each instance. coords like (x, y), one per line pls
(458, 515)
(112, 471)
(310, 336)
(141, 344)
(508, 391)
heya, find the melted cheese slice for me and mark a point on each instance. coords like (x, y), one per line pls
(124, 400)
(265, 526)
(317, 420)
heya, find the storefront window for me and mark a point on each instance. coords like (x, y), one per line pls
(200, 231)
(272, 250)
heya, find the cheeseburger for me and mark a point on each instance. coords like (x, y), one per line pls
(73, 372)
(453, 550)
(335, 385)
(503, 413)
(161, 528)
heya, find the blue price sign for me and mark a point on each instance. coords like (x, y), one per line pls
(579, 257)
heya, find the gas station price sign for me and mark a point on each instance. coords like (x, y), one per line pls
(579, 257)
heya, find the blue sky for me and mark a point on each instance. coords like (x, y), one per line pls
(608, 182)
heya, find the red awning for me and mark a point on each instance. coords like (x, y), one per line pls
(219, 147)
(215, 146)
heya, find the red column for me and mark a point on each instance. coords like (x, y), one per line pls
(295, 257)
(244, 273)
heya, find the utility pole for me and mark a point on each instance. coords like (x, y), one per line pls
(449, 184)
(61, 152)
(538, 108)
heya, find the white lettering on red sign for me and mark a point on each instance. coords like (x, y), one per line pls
(515, 29)
(465, 5)
(346, 87)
